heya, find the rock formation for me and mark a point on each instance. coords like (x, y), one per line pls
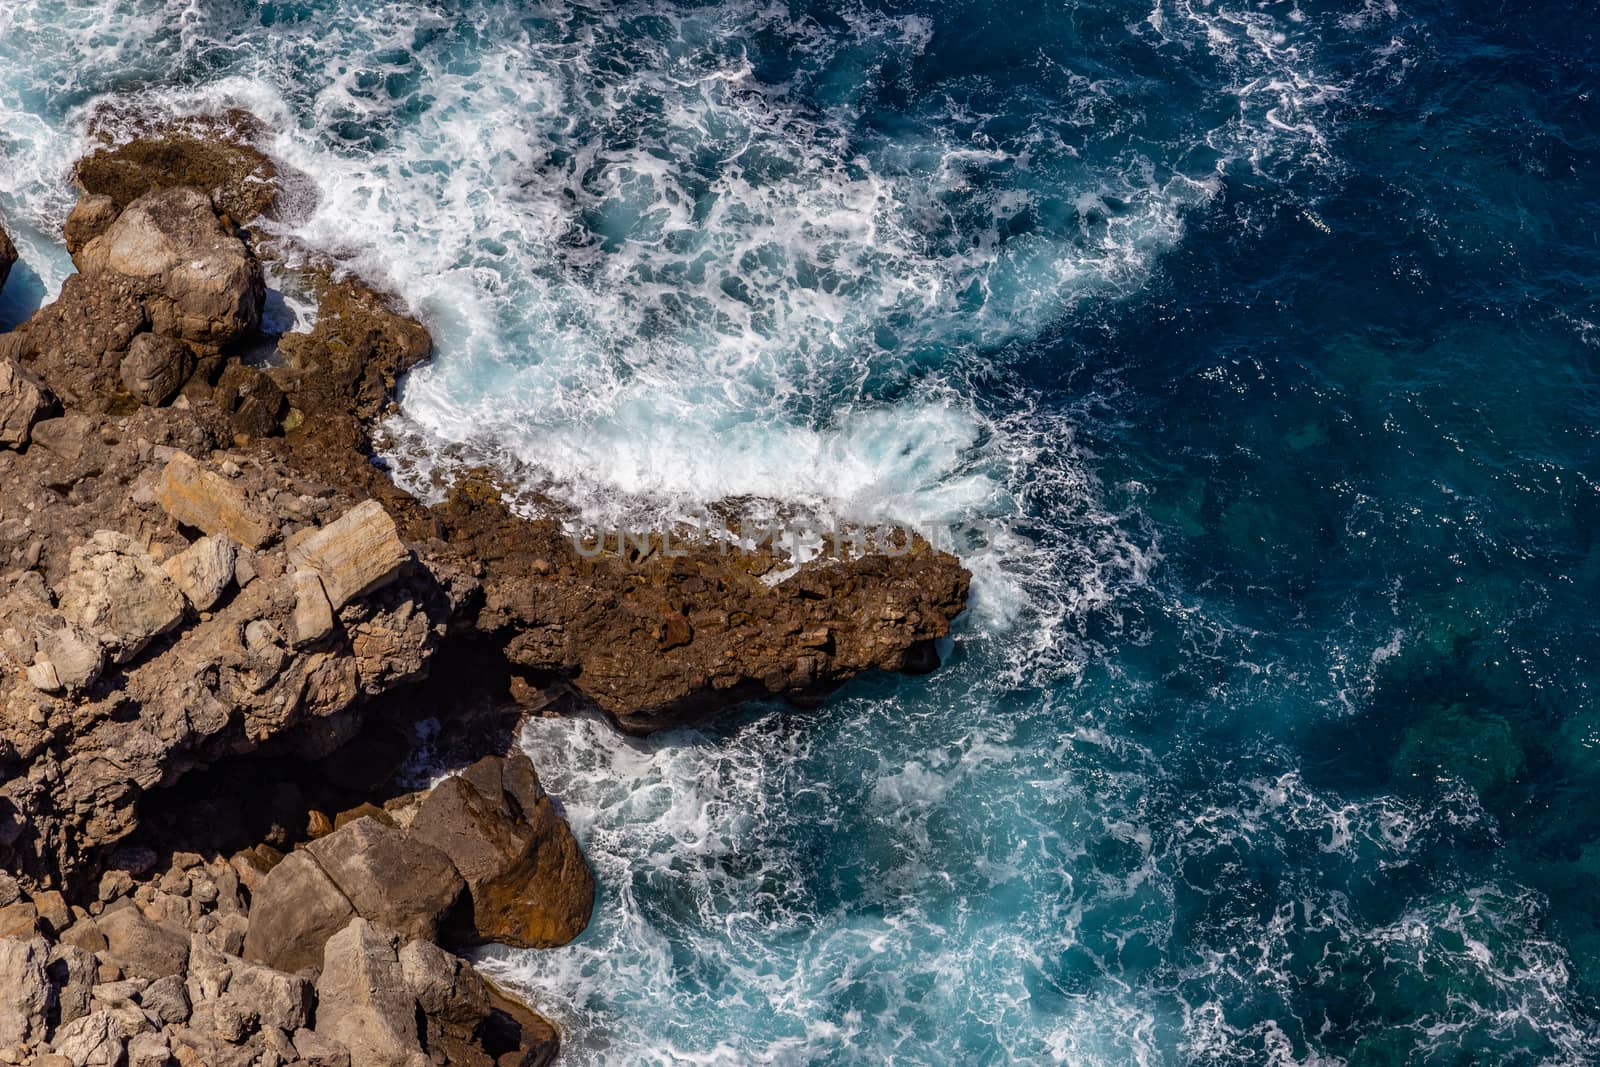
(202, 564)
(199, 961)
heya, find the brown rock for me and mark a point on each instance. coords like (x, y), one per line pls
(399, 883)
(145, 949)
(91, 216)
(19, 920)
(357, 554)
(155, 368)
(529, 883)
(24, 400)
(296, 909)
(197, 497)
(243, 181)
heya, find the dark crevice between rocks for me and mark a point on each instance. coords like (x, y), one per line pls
(276, 797)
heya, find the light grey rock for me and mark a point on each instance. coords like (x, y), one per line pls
(363, 1002)
(24, 990)
(115, 592)
(203, 571)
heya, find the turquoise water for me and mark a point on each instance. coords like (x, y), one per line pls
(1266, 329)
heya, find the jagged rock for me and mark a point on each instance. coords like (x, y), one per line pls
(241, 179)
(67, 658)
(313, 615)
(167, 999)
(72, 972)
(516, 1035)
(319, 1051)
(362, 999)
(295, 910)
(155, 368)
(145, 949)
(203, 571)
(91, 216)
(276, 999)
(197, 497)
(24, 400)
(529, 883)
(115, 592)
(199, 281)
(391, 879)
(357, 554)
(8, 257)
(149, 1050)
(24, 990)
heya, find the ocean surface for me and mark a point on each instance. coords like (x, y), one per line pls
(1263, 335)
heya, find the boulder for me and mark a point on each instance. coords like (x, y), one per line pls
(296, 908)
(313, 615)
(25, 990)
(155, 368)
(24, 400)
(200, 282)
(115, 592)
(166, 998)
(448, 990)
(67, 658)
(93, 1041)
(530, 885)
(196, 497)
(72, 972)
(144, 948)
(358, 553)
(203, 571)
(395, 881)
(91, 216)
(363, 1002)
(272, 997)
(149, 1050)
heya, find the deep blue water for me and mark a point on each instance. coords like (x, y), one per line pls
(1269, 329)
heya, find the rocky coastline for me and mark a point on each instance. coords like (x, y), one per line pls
(219, 619)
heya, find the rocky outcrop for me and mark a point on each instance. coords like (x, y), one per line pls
(162, 285)
(240, 179)
(203, 565)
(158, 969)
(528, 881)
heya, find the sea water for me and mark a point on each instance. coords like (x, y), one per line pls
(1260, 332)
